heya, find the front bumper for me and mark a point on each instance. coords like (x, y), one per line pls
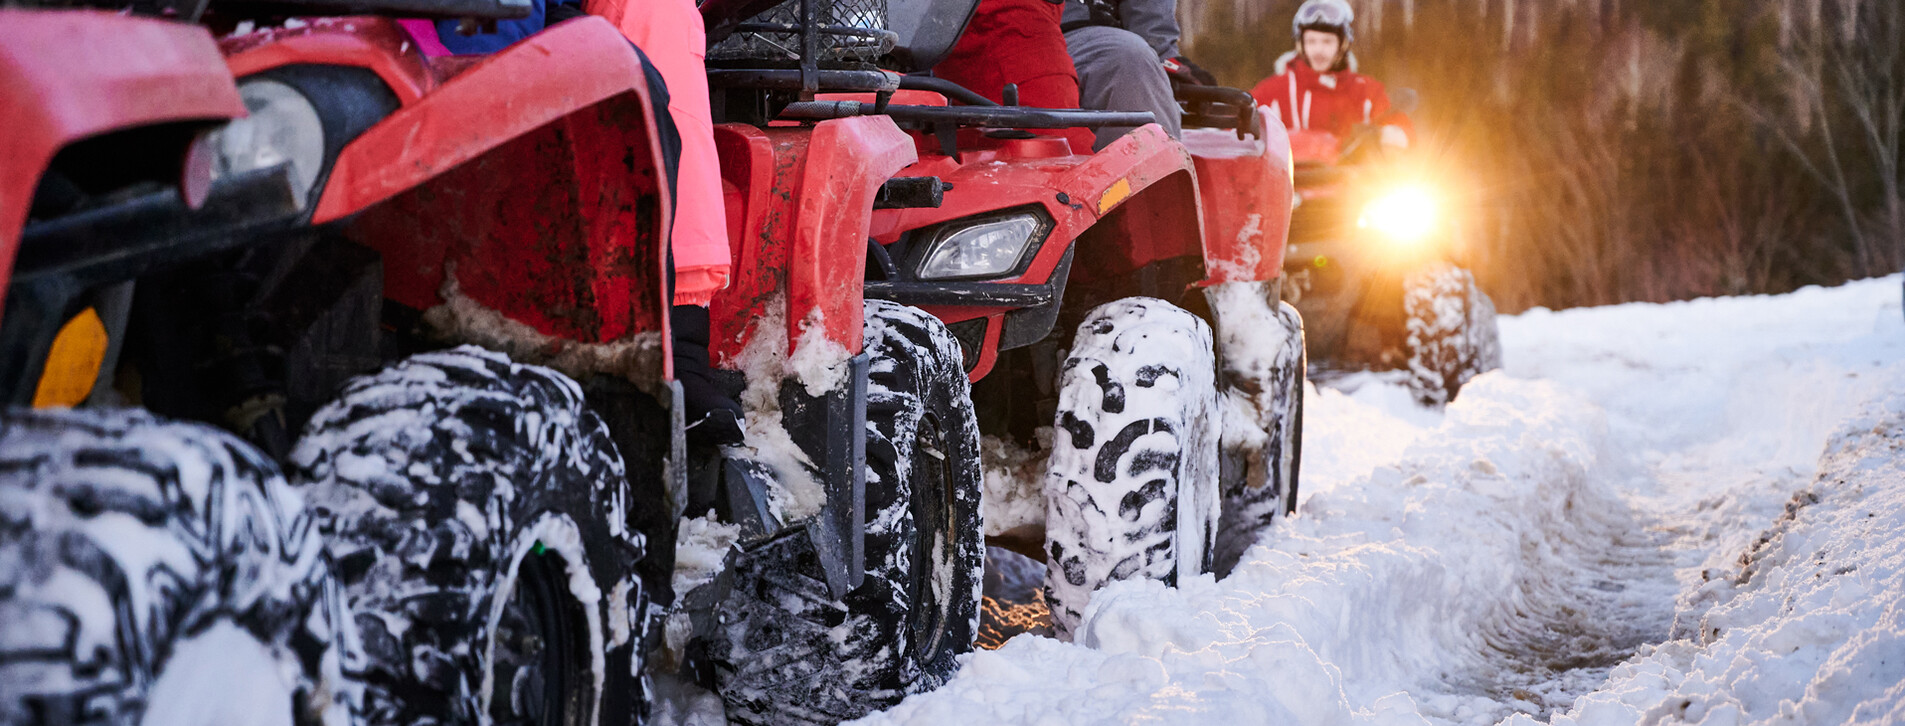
(60, 261)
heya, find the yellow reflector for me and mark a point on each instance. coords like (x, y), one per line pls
(73, 363)
(1117, 193)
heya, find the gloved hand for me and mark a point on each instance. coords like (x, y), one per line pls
(1393, 137)
(714, 419)
(1183, 69)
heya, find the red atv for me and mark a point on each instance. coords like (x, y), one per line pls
(1014, 241)
(217, 507)
(1375, 253)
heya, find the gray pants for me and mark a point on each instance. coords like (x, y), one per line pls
(1117, 71)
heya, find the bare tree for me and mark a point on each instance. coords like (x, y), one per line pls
(1848, 86)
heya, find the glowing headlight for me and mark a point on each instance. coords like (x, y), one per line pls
(986, 249)
(1404, 215)
(282, 128)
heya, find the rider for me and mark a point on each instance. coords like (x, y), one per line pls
(1322, 89)
(1123, 50)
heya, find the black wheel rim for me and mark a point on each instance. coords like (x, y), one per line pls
(540, 670)
(932, 508)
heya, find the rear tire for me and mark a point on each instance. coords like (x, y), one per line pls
(787, 653)
(149, 567)
(1453, 335)
(477, 513)
(1131, 485)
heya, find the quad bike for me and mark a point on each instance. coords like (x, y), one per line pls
(1077, 291)
(254, 470)
(1374, 258)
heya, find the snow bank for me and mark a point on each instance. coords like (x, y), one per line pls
(1809, 625)
(1516, 556)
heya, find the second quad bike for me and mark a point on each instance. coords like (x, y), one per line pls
(1124, 300)
(1375, 259)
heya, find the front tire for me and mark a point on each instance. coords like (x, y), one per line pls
(477, 513)
(154, 570)
(1131, 485)
(1453, 335)
(1262, 369)
(787, 653)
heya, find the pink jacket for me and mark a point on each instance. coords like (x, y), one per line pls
(671, 34)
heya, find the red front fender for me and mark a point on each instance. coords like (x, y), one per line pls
(533, 177)
(548, 76)
(1245, 190)
(799, 205)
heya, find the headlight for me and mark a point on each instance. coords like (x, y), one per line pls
(282, 128)
(986, 249)
(1404, 215)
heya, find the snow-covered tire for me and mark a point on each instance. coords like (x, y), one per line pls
(1131, 485)
(788, 653)
(476, 511)
(153, 570)
(1261, 369)
(1452, 333)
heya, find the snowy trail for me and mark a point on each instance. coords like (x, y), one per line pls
(1519, 555)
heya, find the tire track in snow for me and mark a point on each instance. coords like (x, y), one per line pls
(1567, 627)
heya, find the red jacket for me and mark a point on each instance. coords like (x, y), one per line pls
(1334, 102)
(1018, 41)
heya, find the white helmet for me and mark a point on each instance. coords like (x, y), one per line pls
(1329, 16)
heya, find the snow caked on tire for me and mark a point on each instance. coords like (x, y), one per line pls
(476, 513)
(153, 571)
(787, 652)
(1261, 369)
(1453, 336)
(1131, 485)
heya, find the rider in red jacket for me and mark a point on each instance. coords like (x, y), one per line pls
(1317, 86)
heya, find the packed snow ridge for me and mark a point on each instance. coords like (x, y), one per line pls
(1691, 512)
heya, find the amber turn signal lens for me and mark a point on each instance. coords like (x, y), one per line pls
(72, 365)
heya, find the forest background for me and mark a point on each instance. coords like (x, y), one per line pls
(1606, 151)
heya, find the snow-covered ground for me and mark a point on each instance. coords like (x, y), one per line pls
(1657, 513)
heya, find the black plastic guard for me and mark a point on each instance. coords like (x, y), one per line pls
(831, 430)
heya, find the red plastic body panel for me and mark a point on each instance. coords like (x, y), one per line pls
(72, 74)
(992, 175)
(533, 175)
(799, 201)
(1309, 146)
(1314, 149)
(374, 43)
(1145, 171)
(1245, 190)
(545, 77)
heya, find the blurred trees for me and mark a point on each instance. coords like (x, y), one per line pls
(1617, 150)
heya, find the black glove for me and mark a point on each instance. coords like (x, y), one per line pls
(714, 418)
(1184, 70)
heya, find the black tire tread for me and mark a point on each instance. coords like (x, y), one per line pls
(394, 467)
(777, 665)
